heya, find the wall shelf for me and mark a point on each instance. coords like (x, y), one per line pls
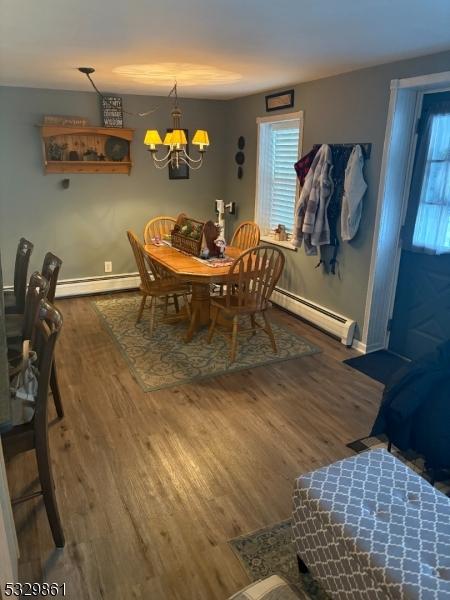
(81, 139)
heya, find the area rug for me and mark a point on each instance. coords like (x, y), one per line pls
(271, 551)
(165, 359)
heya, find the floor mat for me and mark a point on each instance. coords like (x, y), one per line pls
(379, 365)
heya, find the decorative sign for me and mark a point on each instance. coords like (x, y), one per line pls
(280, 100)
(112, 111)
(65, 121)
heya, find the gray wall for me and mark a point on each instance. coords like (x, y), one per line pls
(86, 224)
(346, 108)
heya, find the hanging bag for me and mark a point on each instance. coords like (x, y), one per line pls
(24, 387)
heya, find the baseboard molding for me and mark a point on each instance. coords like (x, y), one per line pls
(333, 323)
(68, 288)
(359, 346)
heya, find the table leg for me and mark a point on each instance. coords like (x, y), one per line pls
(200, 305)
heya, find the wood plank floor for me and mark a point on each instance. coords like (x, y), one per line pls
(152, 485)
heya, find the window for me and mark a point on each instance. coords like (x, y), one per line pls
(432, 227)
(279, 147)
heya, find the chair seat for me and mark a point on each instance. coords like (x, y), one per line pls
(162, 287)
(14, 326)
(234, 308)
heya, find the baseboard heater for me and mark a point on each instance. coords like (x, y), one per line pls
(323, 318)
(67, 288)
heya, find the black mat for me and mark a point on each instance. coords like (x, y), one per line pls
(380, 365)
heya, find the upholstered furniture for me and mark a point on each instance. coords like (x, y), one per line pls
(34, 434)
(15, 299)
(368, 527)
(158, 228)
(159, 285)
(270, 588)
(246, 236)
(250, 283)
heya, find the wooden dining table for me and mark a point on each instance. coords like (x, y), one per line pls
(196, 272)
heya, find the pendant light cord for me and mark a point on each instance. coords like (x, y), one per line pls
(126, 112)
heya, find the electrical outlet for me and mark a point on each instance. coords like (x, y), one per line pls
(108, 266)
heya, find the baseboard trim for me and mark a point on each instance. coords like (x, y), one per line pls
(359, 346)
(68, 288)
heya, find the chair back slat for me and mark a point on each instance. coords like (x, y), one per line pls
(37, 291)
(143, 262)
(23, 254)
(158, 227)
(253, 276)
(48, 326)
(50, 270)
(246, 236)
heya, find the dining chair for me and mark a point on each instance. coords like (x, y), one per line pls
(33, 435)
(21, 327)
(157, 283)
(250, 282)
(50, 270)
(15, 298)
(158, 227)
(246, 236)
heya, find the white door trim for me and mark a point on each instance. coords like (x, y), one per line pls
(395, 176)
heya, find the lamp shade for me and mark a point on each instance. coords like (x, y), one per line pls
(168, 139)
(152, 138)
(201, 138)
(178, 137)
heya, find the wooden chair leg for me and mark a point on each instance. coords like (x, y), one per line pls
(54, 386)
(253, 323)
(187, 305)
(212, 327)
(166, 306)
(48, 490)
(234, 339)
(268, 330)
(152, 314)
(141, 308)
(176, 303)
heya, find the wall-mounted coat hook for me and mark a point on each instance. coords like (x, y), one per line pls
(65, 183)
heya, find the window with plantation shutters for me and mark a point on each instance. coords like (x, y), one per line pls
(278, 151)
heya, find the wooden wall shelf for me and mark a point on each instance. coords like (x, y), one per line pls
(79, 140)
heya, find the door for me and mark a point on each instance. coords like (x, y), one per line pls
(421, 316)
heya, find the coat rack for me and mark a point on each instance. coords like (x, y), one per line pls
(366, 148)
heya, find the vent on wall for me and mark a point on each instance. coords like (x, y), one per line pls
(331, 322)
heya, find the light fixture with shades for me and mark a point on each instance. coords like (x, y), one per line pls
(176, 142)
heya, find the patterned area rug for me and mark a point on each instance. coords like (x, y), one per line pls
(165, 359)
(271, 551)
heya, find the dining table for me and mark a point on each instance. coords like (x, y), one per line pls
(199, 273)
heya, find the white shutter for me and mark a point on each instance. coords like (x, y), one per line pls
(277, 181)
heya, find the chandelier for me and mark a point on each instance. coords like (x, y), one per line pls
(175, 140)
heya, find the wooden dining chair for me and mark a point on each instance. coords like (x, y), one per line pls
(50, 271)
(158, 227)
(246, 236)
(34, 434)
(157, 283)
(21, 327)
(15, 298)
(250, 282)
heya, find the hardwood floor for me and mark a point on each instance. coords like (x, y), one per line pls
(152, 485)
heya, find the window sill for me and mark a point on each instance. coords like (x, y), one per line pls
(271, 240)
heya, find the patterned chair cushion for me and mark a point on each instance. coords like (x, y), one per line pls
(372, 528)
(270, 588)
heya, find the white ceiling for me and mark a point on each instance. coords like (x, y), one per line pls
(260, 44)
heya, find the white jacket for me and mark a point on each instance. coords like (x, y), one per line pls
(311, 222)
(354, 190)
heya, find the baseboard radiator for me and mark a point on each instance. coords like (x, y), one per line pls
(323, 318)
(67, 288)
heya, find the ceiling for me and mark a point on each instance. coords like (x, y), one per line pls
(215, 48)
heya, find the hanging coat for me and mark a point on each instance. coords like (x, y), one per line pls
(354, 190)
(311, 223)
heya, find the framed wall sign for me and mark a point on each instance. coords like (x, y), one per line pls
(280, 100)
(112, 111)
(183, 170)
